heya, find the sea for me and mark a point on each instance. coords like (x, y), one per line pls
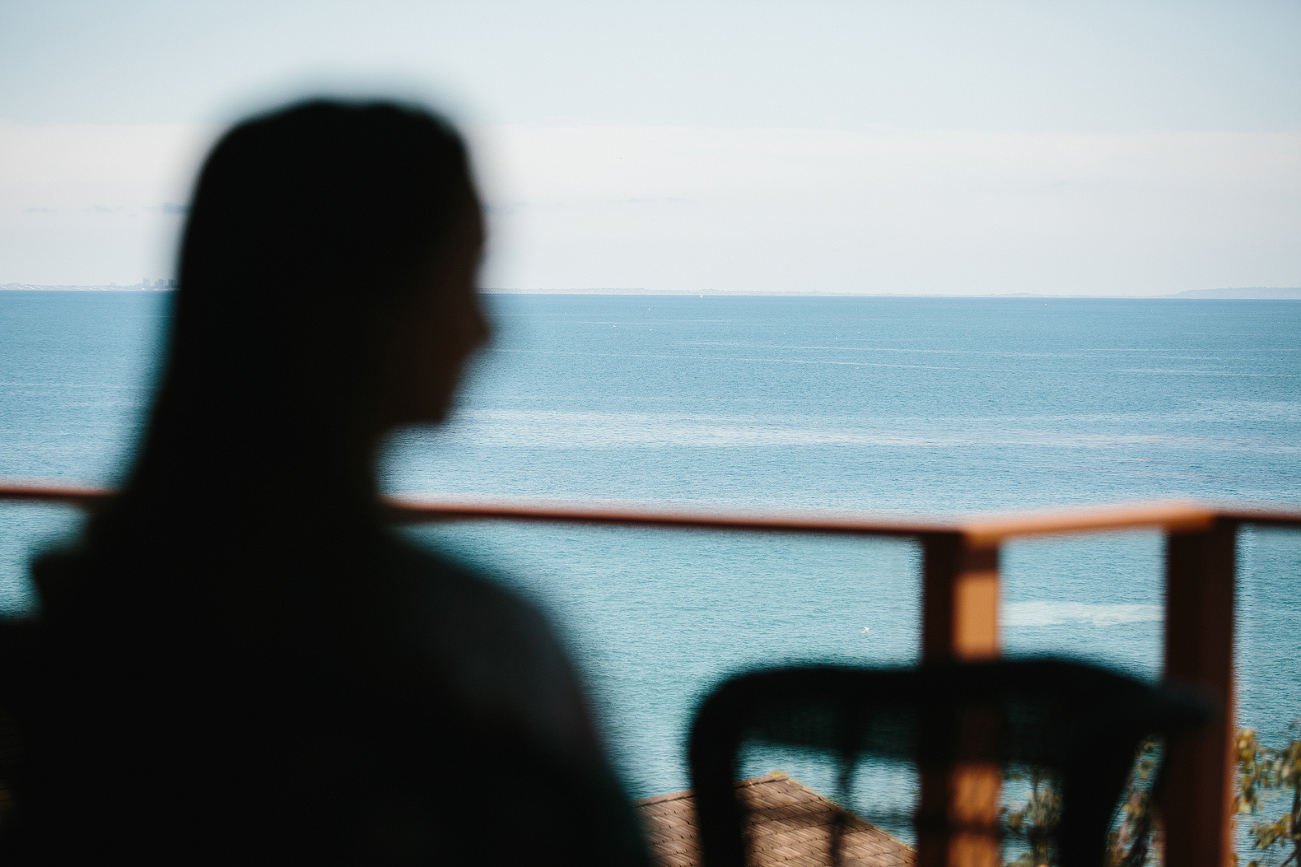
(890, 406)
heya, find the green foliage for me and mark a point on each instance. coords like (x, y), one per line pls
(1129, 842)
(1037, 819)
(1266, 774)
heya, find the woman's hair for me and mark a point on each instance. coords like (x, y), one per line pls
(318, 203)
(310, 232)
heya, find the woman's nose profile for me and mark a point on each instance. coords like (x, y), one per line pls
(445, 326)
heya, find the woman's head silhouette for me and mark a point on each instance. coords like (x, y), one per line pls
(326, 289)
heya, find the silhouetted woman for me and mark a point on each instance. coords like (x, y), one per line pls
(240, 662)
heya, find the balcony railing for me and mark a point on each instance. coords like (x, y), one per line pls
(960, 606)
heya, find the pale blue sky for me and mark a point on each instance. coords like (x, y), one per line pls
(1078, 148)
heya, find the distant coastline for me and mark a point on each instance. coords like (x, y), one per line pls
(111, 287)
(1257, 293)
(1260, 293)
(1254, 293)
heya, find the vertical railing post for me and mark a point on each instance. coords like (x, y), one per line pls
(960, 595)
(1197, 806)
(959, 598)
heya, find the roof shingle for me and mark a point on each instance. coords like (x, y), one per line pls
(788, 825)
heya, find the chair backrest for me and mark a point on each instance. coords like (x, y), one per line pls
(1079, 723)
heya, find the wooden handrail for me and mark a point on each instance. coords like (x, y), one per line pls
(51, 492)
(428, 509)
(979, 531)
(992, 530)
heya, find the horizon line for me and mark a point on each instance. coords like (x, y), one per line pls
(1252, 293)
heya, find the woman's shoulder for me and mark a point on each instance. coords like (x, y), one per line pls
(495, 648)
(470, 606)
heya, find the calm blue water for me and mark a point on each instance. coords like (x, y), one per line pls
(933, 406)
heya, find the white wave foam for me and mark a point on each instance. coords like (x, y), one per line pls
(1047, 613)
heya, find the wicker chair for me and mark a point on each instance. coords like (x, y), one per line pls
(1080, 724)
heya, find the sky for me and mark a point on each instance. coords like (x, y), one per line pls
(1099, 148)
